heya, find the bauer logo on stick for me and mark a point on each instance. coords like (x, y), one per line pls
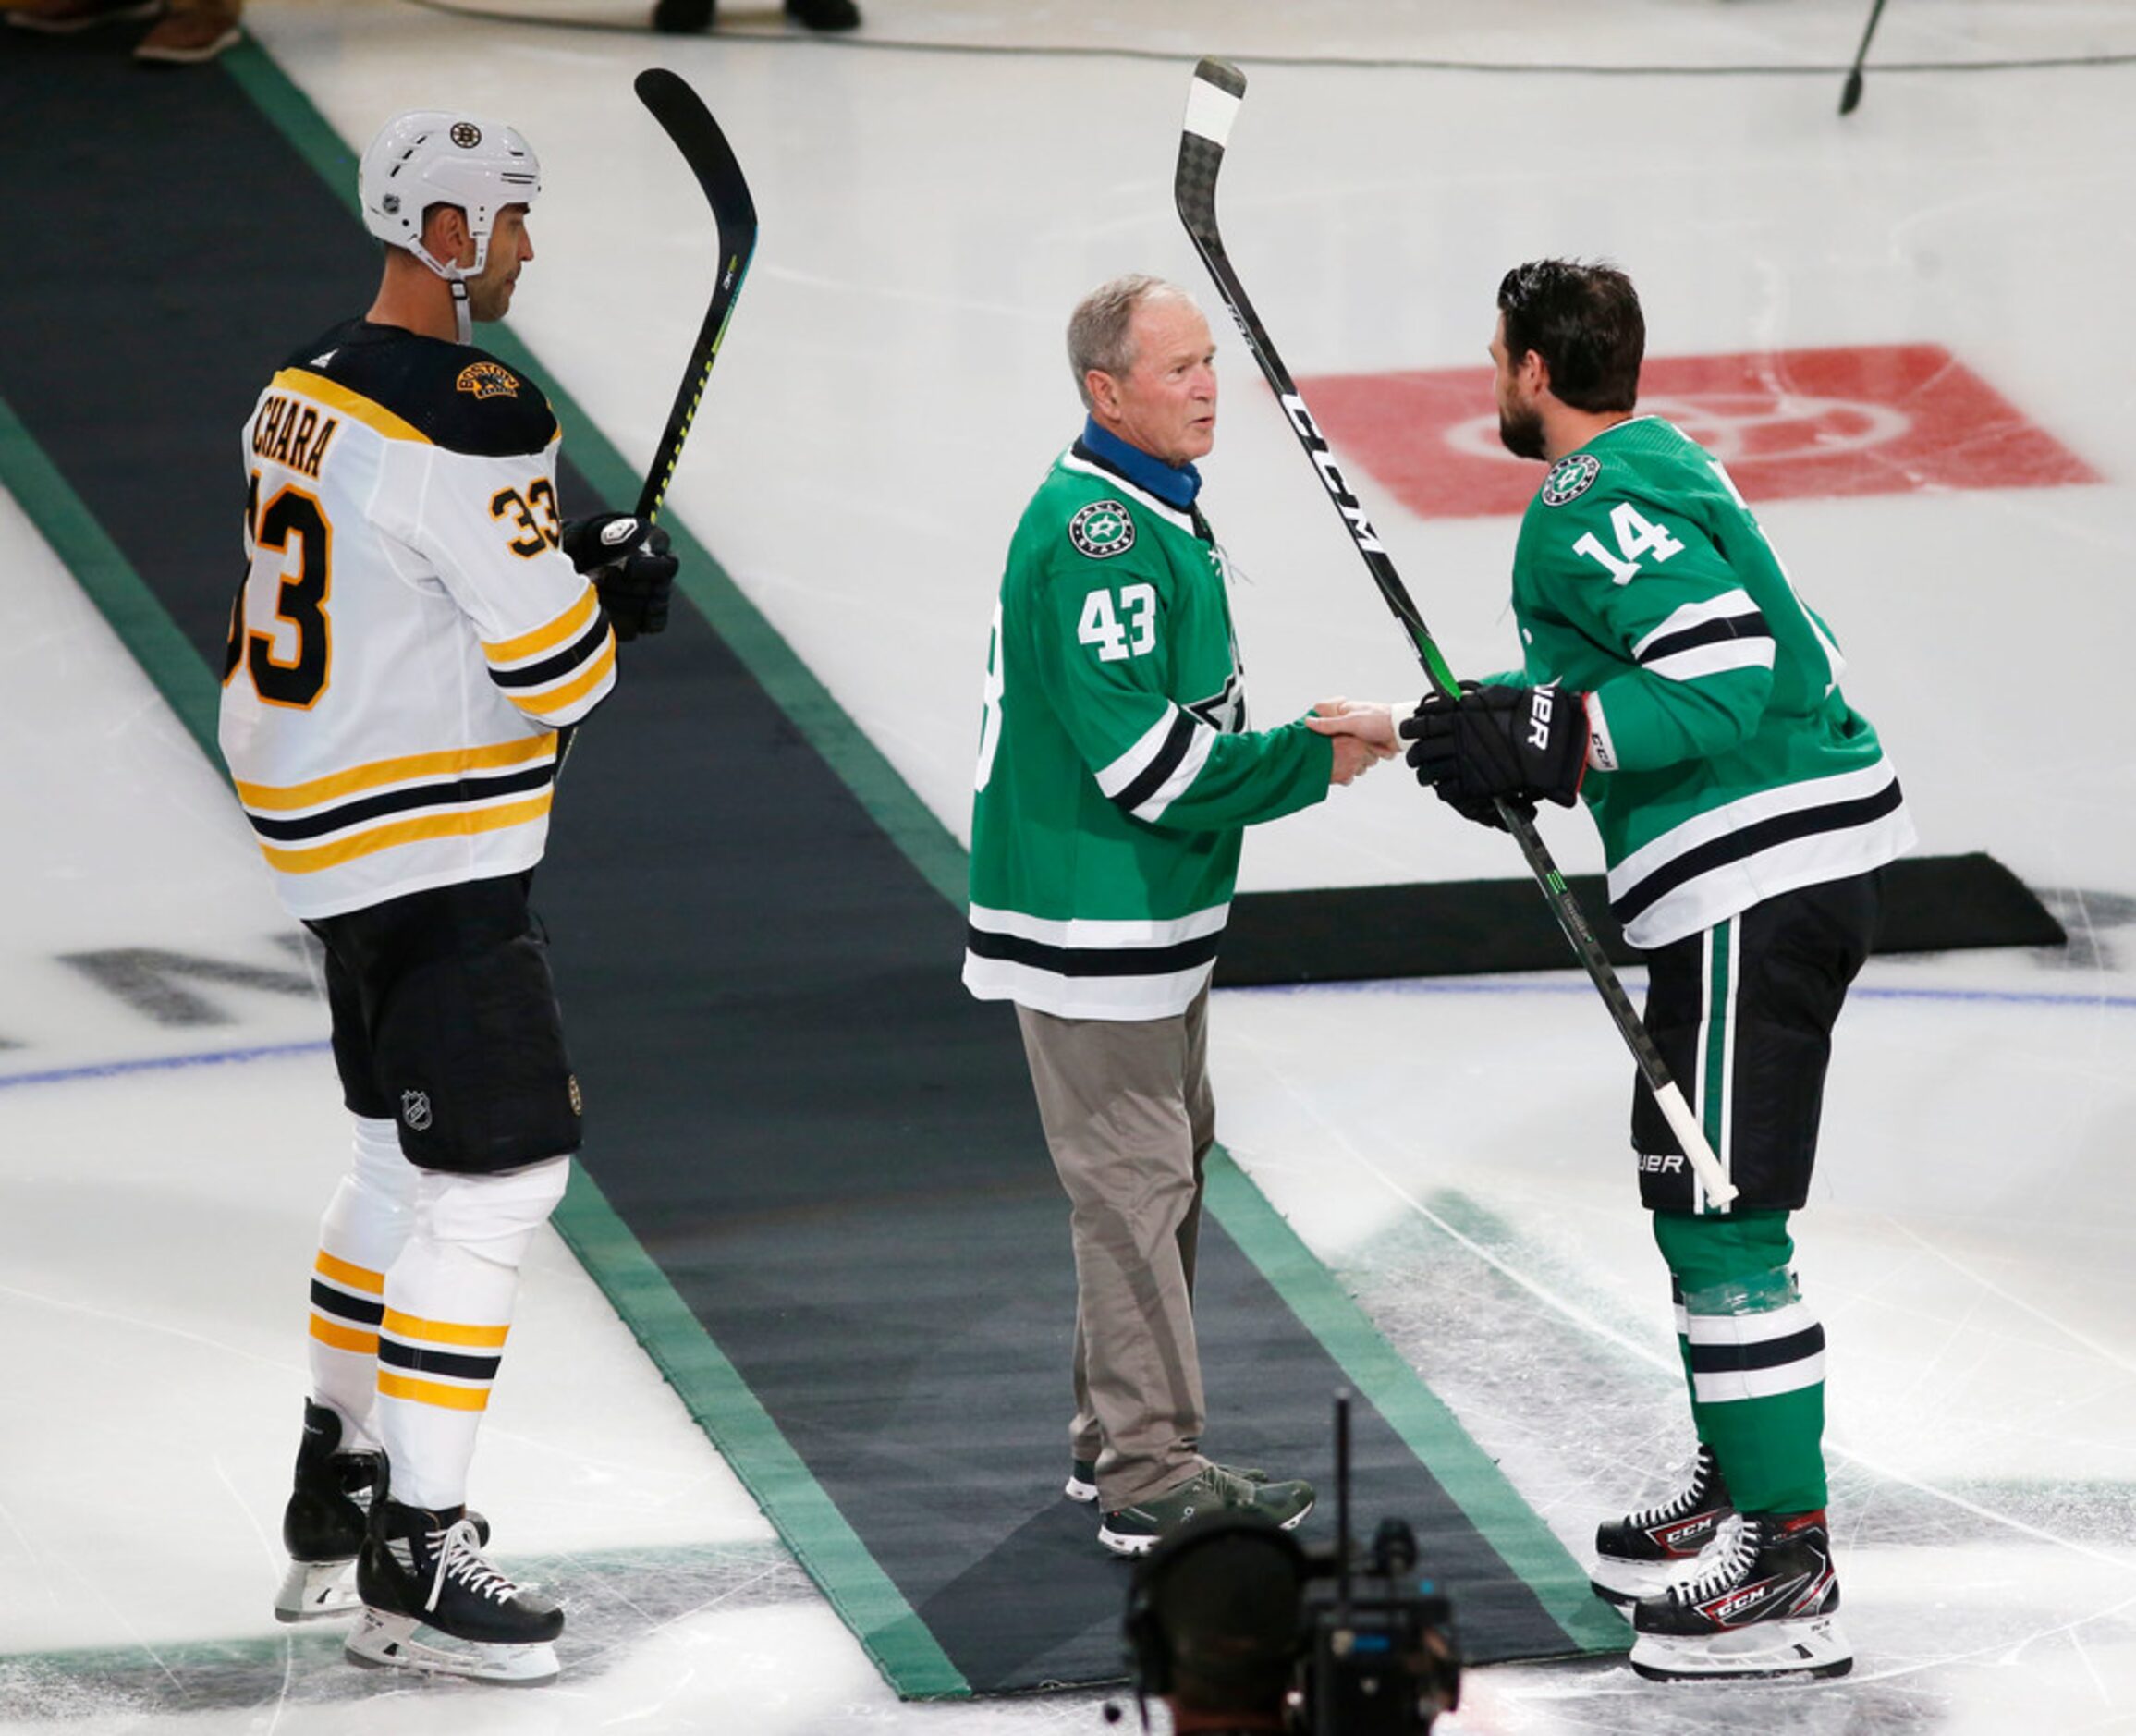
(1570, 479)
(1102, 530)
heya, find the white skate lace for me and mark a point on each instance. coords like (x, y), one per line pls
(1731, 1553)
(1685, 1500)
(459, 1559)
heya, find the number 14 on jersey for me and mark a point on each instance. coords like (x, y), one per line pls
(1635, 535)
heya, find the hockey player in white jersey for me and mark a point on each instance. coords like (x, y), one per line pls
(417, 634)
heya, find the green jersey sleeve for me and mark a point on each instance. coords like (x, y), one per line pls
(1134, 652)
(1638, 602)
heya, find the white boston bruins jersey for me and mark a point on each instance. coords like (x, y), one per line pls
(408, 639)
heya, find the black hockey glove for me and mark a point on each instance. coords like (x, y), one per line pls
(1483, 809)
(630, 565)
(1522, 743)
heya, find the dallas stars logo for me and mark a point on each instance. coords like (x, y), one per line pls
(1102, 530)
(1570, 478)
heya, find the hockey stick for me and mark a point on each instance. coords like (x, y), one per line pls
(1851, 95)
(682, 112)
(1213, 104)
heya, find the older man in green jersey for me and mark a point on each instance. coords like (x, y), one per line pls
(1674, 679)
(1116, 774)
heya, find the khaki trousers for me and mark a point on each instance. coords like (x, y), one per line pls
(1129, 1118)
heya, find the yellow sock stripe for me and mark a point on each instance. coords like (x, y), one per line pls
(355, 1276)
(442, 1331)
(344, 1338)
(432, 1392)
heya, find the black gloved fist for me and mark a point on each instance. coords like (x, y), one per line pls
(628, 562)
(1515, 743)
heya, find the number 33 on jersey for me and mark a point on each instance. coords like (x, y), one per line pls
(407, 638)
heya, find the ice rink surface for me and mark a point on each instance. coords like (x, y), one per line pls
(935, 195)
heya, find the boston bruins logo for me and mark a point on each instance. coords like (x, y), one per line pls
(466, 134)
(1102, 530)
(488, 379)
(1571, 477)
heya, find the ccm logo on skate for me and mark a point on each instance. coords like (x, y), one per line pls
(1749, 1599)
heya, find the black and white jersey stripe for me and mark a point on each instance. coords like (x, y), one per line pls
(1709, 637)
(1731, 857)
(1160, 767)
(1090, 967)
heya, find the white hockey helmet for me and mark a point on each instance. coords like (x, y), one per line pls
(432, 157)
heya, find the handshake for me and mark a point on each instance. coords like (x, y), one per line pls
(1477, 747)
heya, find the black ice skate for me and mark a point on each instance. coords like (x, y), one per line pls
(1643, 1553)
(322, 1526)
(432, 1603)
(1765, 1604)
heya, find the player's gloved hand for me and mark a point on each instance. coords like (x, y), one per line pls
(1522, 743)
(628, 562)
(1483, 809)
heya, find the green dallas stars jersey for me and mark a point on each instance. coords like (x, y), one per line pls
(1725, 765)
(1116, 769)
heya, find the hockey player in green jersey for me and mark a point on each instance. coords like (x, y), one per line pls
(1116, 774)
(1675, 680)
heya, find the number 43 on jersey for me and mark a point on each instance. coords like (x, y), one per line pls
(1124, 629)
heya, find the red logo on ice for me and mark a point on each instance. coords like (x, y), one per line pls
(1791, 424)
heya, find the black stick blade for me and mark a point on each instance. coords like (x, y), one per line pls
(683, 115)
(1851, 95)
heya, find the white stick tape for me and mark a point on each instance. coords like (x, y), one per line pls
(1210, 111)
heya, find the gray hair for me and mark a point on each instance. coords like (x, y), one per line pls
(1099, 331)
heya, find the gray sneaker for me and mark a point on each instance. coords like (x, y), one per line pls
(1137, 1529)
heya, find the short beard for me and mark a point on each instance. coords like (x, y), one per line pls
(1522, 432)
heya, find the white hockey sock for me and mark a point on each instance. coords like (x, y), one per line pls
(365, 1229)
(448, 1308)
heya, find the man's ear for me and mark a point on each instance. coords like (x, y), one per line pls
(1104, 391)
(446, 234)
